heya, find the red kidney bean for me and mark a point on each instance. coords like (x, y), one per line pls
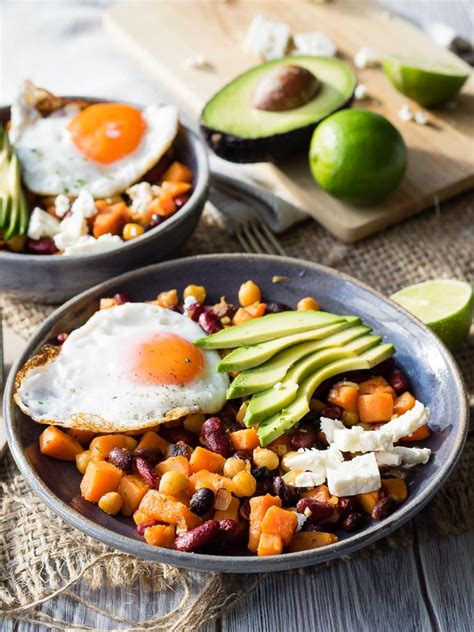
(146, 471)
(61, 338)
(383, 508)
(209, 322)
(321, 512)
(178, 449)
(144, 525)
(352, 521)
(398, 381)
(155, 220)
(121, 458)
(331, 413)
(214, 438)
(181, 200)
(175, 435)
(274, 307)
(152, 455)
(193, 310)
(304, 437)
(122, 297)
(244, 509)
(345, 505)
(230, 531)
(287, 493)
(197, 538)
(43, 246)
(202, 501)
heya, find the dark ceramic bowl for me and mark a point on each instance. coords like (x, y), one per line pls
(431, 369)
(53, 279)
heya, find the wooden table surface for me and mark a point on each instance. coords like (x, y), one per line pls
(427, 586)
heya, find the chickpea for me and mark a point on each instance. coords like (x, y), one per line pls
(197, 291)
(172, 483)
(307, 303)
(262, 457)
(111, 503)
(249, 293)
(17, 243)
(244, 484)
(233, 466)
(107, 303)
(82, 460)
(193, 423)
(168, 299)
(131, 443)
(130, 231)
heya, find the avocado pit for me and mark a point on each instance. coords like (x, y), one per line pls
(285, 87)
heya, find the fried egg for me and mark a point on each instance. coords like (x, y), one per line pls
(103, 148)
(129, 367)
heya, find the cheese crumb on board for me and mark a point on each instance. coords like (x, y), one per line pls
(314, 43)
(199, 62)
(366, 58)
(360, 92)
(358, 476)
(267, 38)
(421, 118)
(405, 114)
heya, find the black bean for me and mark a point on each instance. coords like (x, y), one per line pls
(202, 501)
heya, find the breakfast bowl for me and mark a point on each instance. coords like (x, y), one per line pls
(429, 366)
(50, 278)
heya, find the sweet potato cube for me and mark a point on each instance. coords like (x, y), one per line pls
(160, 535)
(395, 488)
(177, 172)
(280, 522)
(169, 510)
(320, 493)
(421, 433)
(258, 509)
(269, 544)
(231, 513)
(139, 517)
(175, 189)
(405, 402)
(132, 488)
(375, 408)
(376, 384)
(202, 459)
(245, 439)
(345, 396)
(59, 445)
(110, 220)
(174, 464)
(152, 439)
(83, 436)
(306, 540)
(368, 501)
(213, 481)
(101, 446)
(100, 477)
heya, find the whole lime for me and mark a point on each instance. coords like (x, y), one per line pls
(358, 156)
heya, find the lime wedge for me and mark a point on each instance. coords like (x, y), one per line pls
(444, 305)
(428, 83)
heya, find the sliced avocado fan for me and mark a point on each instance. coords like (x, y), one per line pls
(14, 212)
(266, 375)
(265, 403)
(278, 424)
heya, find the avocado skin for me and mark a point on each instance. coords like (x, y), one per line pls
(269, 149)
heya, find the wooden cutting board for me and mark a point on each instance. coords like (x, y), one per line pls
(162, 34)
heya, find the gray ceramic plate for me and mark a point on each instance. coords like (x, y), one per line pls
(50, 279)
(430, 367)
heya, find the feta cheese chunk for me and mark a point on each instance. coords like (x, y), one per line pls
(310, 479)
(314, 43)
(85, 204)
(358, 476)
(87, 244)
(42, 224)
(61, 205)
(70, 229)
(267, 38)
(388, 458)
(406, 423)
(312, 460)
(412, 456)
(359, 440)
(328, 426)
(366, 58)
(301, 520)
(141, 195)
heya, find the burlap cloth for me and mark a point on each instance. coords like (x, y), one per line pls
(44, 560)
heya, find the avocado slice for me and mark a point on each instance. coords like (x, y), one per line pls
(267, 328)
(238, 130)
(14, 213)
(248, 357)
(271, 372)
(280, 423)
(265, 403)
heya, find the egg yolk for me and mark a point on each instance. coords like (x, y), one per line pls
(106, 132)
(167, 359)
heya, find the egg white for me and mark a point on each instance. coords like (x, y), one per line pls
(86, 386)
(51, 164)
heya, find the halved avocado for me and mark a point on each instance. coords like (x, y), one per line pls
(236, 127)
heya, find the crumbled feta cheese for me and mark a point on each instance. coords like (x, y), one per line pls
(405, 113)
(366, 58)
(357, 439)
(309, 479)
(301, 520)
(42, 224)
(406, 423)
(141, 195)
(86, 244)
(328, 426)
(388, 459)
(358, 476)
(413, 456)
(314, 43)
(360, 92)
(421, 118)
(84, 204)
(70, 229)
(199, 62)
(312, 460)
(61, 205)
(267, 38)
(442, 34)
